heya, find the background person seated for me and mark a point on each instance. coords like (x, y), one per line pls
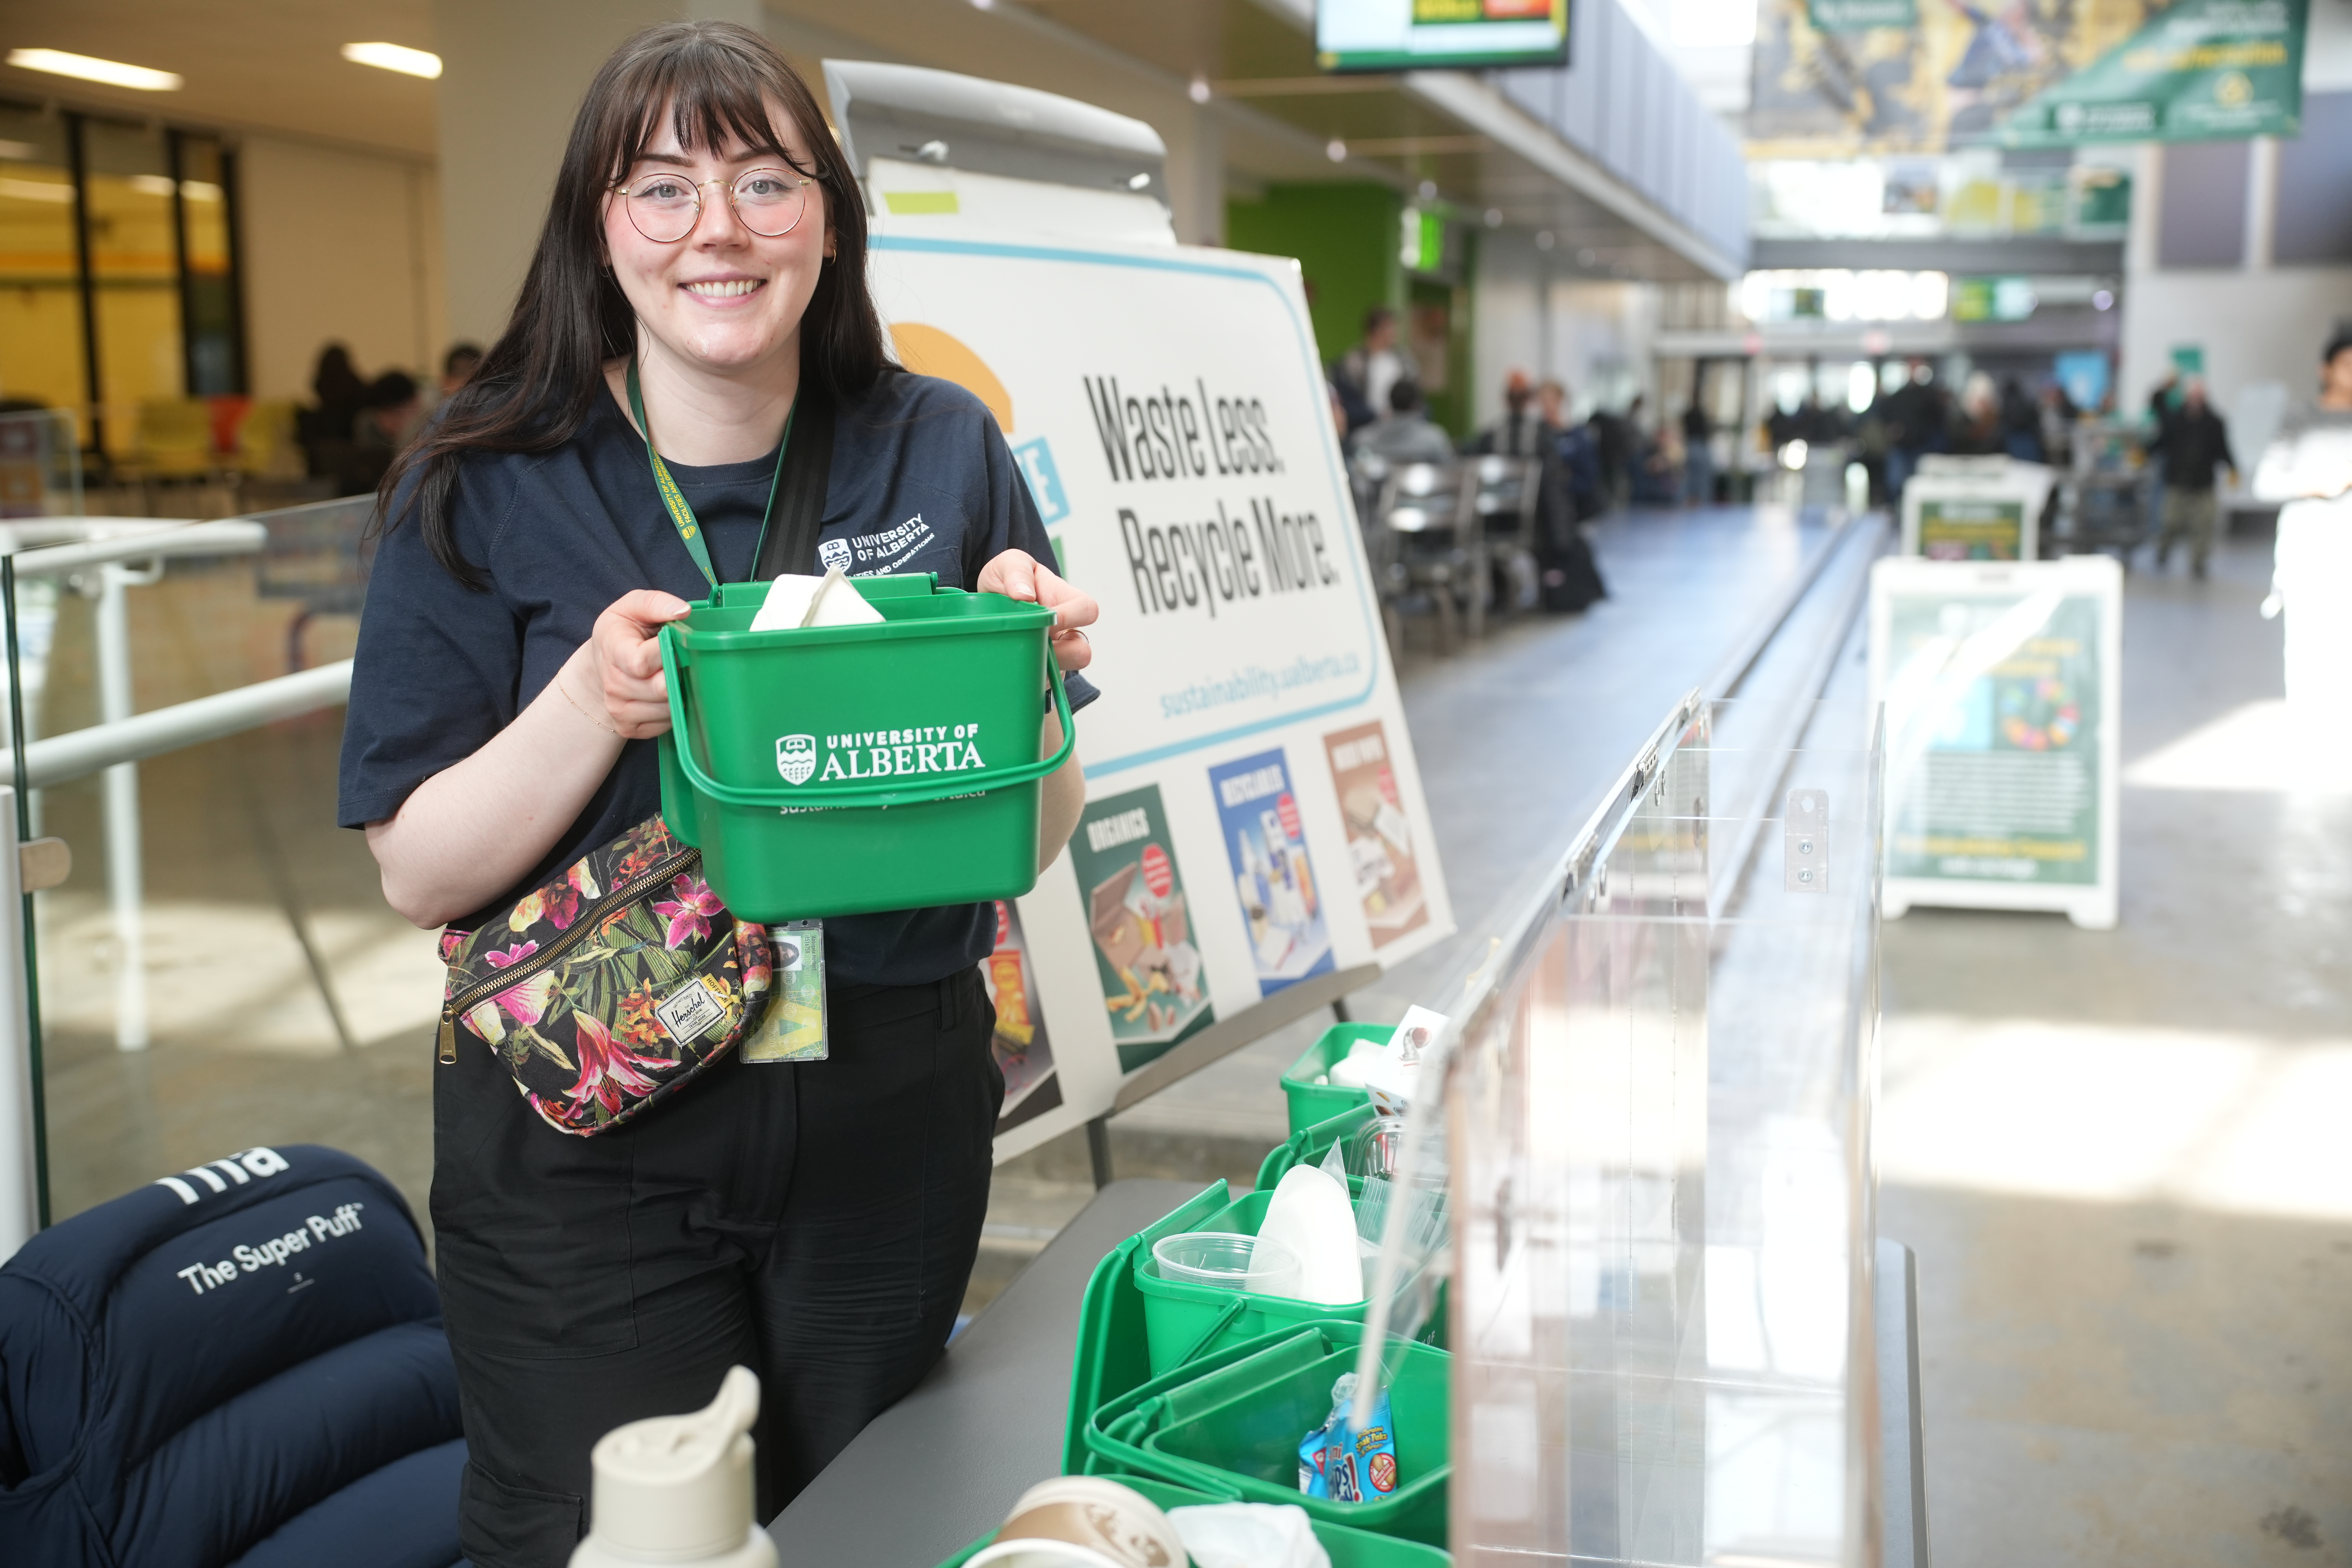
(1407, 434)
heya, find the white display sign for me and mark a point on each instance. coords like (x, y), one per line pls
(1975, 509)
(1254, 816)
(2003, 709)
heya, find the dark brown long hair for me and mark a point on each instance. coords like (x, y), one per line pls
(539, 381)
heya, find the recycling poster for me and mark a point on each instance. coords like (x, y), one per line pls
(1975, 509)
(2002, 709)
(1255, 817)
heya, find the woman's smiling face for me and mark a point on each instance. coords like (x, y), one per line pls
(724, 298)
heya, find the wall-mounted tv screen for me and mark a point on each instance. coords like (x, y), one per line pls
(1435, 34)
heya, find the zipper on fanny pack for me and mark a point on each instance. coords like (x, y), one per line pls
(508, 978)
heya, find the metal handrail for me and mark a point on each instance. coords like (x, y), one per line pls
(226, 536)
(77, 753)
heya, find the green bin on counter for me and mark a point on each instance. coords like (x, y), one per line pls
(1311, 1102)
(1346, 1548)
(1183, 1320)
(1308, 1147)
(844, 770)
(1232, 1423)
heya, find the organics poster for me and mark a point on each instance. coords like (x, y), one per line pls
(1379, 834)
(1025, 1055)
(1267, 846)
(1971, 529)
(1152, 983)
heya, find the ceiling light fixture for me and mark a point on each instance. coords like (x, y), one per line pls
(113, 73)
(1336, 149)
(1199, 92)
(395, 58)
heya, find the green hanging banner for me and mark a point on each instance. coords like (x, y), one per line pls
(1861, 16)
(2198, 70)
(1840, 78)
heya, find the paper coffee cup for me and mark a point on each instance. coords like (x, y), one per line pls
(1084, 1522)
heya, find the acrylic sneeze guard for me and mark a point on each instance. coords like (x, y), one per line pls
(1651, 1110)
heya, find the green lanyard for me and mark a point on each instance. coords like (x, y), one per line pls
(681, 516)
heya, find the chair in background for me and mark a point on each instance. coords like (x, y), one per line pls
(1433, 549)
(240, 1365)
(175, 439)
(1505, 503)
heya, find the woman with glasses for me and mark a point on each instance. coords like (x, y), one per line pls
(698, 292)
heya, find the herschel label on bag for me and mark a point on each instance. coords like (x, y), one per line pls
(688, 1012)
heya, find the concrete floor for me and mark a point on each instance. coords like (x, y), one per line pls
(2118, 1155)
(2121, 1157)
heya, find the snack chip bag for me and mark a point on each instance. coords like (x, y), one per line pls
(1340, 1464)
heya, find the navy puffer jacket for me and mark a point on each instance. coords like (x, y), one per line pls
(241, 1364)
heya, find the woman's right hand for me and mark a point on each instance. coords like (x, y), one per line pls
(625, 658)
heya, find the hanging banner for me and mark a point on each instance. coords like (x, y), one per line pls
(1254, 816)
(2002, 693)
(1830, 83)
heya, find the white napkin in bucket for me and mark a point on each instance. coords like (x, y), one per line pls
(794, 600)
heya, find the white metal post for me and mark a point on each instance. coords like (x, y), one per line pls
(19, 1177)
(124, 886)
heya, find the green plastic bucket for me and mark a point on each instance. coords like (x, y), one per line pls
(1232, 1423)
(1311, 1102)
(1309, 1146)
(1182, 1320)
(1346, 1548)
(844, 770)
(1111, 1355)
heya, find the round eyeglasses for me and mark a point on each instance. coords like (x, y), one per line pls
(665, 207)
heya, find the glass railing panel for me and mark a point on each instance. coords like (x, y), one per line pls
(220, 970)
(1658, 1116)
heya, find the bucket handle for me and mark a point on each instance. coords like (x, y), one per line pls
(942, 787)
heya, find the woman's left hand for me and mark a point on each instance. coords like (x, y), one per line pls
(1017, 574)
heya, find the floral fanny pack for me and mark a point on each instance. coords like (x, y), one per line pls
(607, 990)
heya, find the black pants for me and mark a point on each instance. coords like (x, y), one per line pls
(814, 1222)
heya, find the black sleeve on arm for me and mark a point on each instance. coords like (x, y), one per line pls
(1012, 523)
(436, 670)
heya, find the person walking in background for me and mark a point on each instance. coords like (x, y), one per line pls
(1365, 373)
(1698, 457)
(1914, 415)
(2195, 442)
(2308, 469)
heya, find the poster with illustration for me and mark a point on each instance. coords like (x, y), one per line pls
(1152, 977)
(2000, 690)
(1379, 835)
(1282, 907)
(1971, 529)
(1024, 1054)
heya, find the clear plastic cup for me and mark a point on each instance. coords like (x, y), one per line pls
(1223, 1261)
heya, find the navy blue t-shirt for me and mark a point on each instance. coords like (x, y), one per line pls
(921, 481)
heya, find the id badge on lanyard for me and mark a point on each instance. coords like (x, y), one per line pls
(794, 1029)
